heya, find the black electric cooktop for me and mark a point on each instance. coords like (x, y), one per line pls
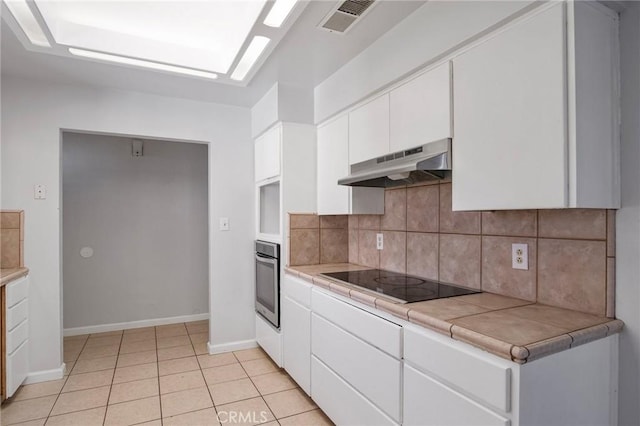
(405, 288)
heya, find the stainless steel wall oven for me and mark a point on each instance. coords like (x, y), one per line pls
(268, 281)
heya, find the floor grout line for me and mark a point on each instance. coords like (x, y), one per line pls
(159, 395)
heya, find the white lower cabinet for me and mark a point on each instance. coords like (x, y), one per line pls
(365, 367)
(428, 402)
(340, 401)
(16, 334)
(296, 325)
(362, 365)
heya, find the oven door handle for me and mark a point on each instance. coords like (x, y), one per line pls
(265, 259)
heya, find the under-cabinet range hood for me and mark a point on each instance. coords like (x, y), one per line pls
(427, 162)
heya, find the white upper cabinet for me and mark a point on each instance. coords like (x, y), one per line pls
(267, 154)
(333, 164)
(421, 109)
(369, 130)
(521, 138)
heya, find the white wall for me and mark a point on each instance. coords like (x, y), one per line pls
(146, 218)
(628, 221)
(432, 31)
(282, 102)
(33, 114)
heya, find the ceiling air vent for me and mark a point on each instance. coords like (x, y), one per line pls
(347, 13)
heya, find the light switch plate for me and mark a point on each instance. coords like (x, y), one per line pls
(379, 241)
(224, 223)
(520, 256)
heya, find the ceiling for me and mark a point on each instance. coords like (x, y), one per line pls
(303, 58)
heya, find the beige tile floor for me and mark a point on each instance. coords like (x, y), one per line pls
(161, 376)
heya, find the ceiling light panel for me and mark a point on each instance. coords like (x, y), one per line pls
(27, 21)
(279, 12)
(206, 35)
(251, 55)
(140, 63)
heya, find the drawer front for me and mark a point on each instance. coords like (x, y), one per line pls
(298, 290)
(17, 336)
(373, 373)
(429, 403)
(17, 368)
(16, 314)
(343, 404)
(17, 290)
(373, 329)
(474, 373)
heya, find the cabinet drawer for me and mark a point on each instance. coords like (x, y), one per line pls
(17, 368)
(297, 290)
(16, 291)
(343, 404)
(454, 363)
(16, 314)
(17, 336)
(429, 403)
(372, 372)
(373, 329)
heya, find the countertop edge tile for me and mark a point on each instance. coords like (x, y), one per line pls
(11, 274)
(589, 334)
(321, 282)
(614, 326)
(515, 353)
(364, 298)
(398, 309)
(549, 346)
(433, 323)
(290, 270)
(489, 344)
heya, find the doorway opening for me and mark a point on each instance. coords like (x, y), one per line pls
(135, 242)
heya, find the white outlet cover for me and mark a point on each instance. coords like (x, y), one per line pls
(520, 256)
(379, 241)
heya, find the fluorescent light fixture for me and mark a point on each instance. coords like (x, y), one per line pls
(28, 22)
(140, 63)
(251, 55)
(279, 12)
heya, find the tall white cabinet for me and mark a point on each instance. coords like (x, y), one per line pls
(285, 174)
(535, 115)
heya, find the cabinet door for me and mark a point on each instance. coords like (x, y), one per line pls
(428, 402)
(369, 130)
(333, 164)
(267, 155)
(509, 148)
(296, 334)
(420, 110)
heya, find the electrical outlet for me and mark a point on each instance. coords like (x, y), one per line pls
(379, 241)
(39, 192)
(520, 256)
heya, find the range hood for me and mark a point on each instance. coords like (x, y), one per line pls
(427, 162)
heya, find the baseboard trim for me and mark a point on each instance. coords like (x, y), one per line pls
(45, 375)
(232, 346)
(133, 324)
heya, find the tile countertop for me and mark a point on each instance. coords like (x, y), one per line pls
(515, 329)
(9, 274)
